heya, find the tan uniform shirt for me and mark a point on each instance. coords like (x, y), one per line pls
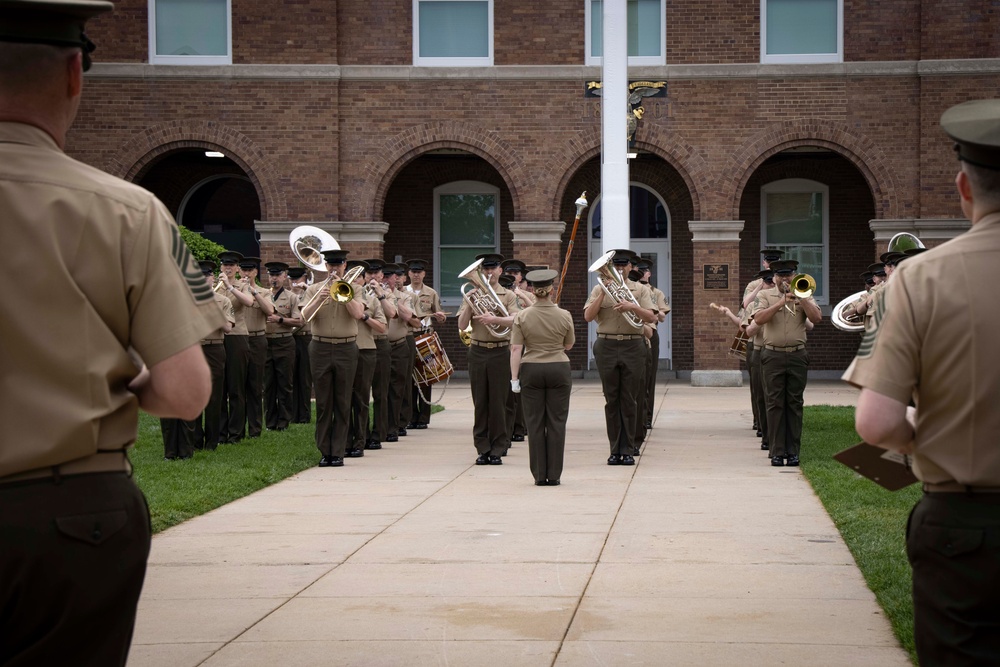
(545, 330)
(481, 332)
(425, 302)
(254, 315)
(758, 337)
(227, 312)
(785, 329)
(935, 341)
(398, 329)
(366, 335)
(116, 276)
(239, 310)
(874, 296)
(660, 300)
(286, 304)
(306, 328)
(332, 319)
(611, 322)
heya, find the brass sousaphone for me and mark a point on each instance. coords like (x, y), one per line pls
(308, 245)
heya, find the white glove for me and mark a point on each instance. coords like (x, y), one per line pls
(515, 386)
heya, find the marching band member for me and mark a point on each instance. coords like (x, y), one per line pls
(333, 354)
(376, 282)
(662, 308)
(372, 323)
(401, 354)
(426, 306)
(256, 318)
(540, 337)
(784, 361)
(515, 269)
(207, 432)
(489, 367)
(234, 401)
(279, 365)
(620, 353)
(302, 374)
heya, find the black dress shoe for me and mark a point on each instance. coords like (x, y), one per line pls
(777, 461)
(392, 437)
(325, 462)
(355, 453)
(401, 432)
(792, 461)
(649, 424)
(541, 483)
(420, 426)
(517, 438)
(412, 425)
(627, 460)
(765, 446)
(484, 459)
(760, 434)
(336, 461)
(496, 461)
(553, 482)
(614, 460)
(756, 426)
(373, 444)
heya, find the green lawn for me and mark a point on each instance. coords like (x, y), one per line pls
(870, 519)
(179, 490)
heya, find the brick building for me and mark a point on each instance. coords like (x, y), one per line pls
(439, 129)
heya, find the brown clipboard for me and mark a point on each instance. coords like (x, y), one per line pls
(889, 470)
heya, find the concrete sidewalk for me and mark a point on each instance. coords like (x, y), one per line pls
(701, 554)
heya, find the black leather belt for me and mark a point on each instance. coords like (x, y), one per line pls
(789, 348)
(335, 341)
(502, 343)
(620, 336)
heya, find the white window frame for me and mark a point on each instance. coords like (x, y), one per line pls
(797, 185)
(155, 59)
(460, 188)
(451, 62)
(801, 58)
(632, 60)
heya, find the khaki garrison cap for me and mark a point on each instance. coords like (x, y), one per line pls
(975, 127)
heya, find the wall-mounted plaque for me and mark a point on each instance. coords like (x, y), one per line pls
(716, 276)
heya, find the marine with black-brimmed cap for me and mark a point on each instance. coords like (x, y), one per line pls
(489, 367)
(426, 308)
(372, 323)
(620, 353)
(126, 309)
(513, 279)
(279, 363)
(935, 344)
(784, 361)
(334, 357)
(302, 374)
(767, 255)
(234, 397)
(376, 284)
(540, 337)
(256, 318)
(207, 427)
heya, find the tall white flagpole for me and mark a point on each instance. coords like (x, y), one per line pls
(615, 230)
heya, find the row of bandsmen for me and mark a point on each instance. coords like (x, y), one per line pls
(776, 324)
(297, 354)
(876, 279)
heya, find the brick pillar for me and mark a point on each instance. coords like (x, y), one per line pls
(363, 239)
(716, 257)
(931, 231)
(538, 243)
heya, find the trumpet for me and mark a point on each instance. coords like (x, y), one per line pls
(614, 286)
(482, 298)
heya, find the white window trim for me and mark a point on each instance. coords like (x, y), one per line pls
(450, 62)
(460, 188)
(190, 60)
(632, 60)
(793, 185)
(802, 58)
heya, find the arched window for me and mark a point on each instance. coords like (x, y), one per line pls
(794, 216)
(466, 224)
(648, 215)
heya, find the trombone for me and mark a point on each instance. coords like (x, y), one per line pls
(339, 290)
(802, 286)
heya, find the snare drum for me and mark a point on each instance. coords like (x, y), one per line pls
(432, 364)
(739, 346)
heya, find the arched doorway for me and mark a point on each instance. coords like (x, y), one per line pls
(649, 237)
(208, 193)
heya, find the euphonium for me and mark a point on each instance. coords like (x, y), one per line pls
(465, 335)
(853, 322)
(614, 286)
(482, 298)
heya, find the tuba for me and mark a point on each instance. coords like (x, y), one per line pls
(482, 298)
(853, 323)
(614, 286)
